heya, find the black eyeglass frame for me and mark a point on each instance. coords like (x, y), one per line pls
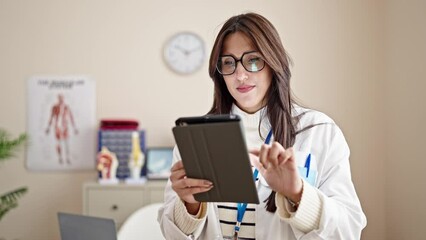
(236, 63)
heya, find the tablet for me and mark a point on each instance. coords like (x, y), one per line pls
(213, 147)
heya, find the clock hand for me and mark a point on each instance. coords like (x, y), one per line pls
(184, 51)
(194, 49)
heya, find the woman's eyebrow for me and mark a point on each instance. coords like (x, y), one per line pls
(230, 54)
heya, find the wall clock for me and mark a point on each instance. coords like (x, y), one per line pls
(184, 52)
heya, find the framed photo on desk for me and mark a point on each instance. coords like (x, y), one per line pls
(159, 161)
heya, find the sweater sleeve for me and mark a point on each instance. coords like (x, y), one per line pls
(186, 222)
(174, 210)
(308, 214)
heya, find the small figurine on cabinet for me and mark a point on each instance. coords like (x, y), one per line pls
(136, 161)
(107, 164)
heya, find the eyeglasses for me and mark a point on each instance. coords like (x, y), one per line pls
(251, 61)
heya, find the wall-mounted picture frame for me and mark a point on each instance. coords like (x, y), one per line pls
(61, 123)
(159, 160)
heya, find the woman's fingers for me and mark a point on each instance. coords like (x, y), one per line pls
(274, 152)
(182, 186)
(177, 171)
(263, 155)
(269, 154)
(190, 182)
(178, 165)
(194, 190)
(256, 163)
(253, 159)
(185, 187)
(255, 152)
(272, 155)
(179, 179)
(177, 174)
(286, 155)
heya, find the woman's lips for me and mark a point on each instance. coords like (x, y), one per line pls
(244, 88)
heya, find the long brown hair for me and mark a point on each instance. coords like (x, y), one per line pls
(279, 100)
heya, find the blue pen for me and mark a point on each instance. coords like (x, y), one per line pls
(308, 164)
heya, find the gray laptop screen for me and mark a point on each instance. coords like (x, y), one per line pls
(79, 227)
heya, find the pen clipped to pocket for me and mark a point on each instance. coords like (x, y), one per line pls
(307, 167)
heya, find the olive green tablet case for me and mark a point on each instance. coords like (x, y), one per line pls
(216, 150)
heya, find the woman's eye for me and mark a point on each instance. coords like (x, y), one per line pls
(253, 60)
(228, 63)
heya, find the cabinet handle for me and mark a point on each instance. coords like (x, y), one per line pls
(114, 207)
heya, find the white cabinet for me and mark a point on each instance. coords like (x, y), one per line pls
(119, 201)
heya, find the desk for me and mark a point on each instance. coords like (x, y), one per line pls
(118, 201)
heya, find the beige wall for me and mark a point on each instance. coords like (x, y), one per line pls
(406, 116)
(340, 68)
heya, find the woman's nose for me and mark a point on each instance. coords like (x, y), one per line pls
(241, 72)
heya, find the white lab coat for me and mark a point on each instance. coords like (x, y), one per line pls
(341, 214)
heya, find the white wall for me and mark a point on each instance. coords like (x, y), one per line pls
(337, 48)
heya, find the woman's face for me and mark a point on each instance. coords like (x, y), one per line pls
(247, 88)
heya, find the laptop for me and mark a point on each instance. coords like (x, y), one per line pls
(80, 227)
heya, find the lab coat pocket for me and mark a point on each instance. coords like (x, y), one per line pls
(309, 176)
(307, 166)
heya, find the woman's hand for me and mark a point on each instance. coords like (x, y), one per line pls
(278, 167)
(186, 187)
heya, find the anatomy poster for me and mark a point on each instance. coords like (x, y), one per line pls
(61, 123)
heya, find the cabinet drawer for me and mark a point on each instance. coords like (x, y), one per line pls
(117, 204)
(119, 201)
(156, 195)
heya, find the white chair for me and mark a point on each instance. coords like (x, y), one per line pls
(142, 224)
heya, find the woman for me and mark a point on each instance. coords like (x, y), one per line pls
(304, 179)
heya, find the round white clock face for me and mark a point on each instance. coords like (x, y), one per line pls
(184, 52)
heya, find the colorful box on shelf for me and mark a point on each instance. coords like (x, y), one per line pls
(119, 124)
(116, 135)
